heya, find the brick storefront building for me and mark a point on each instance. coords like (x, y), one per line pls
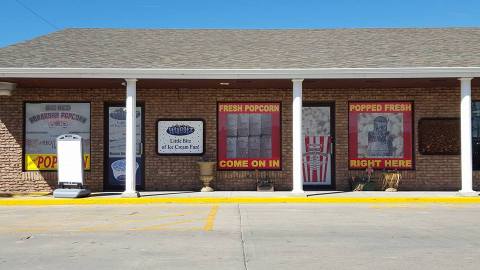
(189, 74)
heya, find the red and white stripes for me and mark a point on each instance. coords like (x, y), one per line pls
(317, 159)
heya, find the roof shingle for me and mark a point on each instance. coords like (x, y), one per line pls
(246, 49)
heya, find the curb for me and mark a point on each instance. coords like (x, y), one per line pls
(23, 194)
(239, 200)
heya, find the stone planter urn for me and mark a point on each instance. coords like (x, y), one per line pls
(391, 180)
(207, 174)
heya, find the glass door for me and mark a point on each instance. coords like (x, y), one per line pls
(317, 147)
(115, 147)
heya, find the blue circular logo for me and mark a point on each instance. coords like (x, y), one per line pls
(180, 130)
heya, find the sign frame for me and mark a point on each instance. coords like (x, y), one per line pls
(412, 137)
(280, 134)
(203, 141)
(24, 129)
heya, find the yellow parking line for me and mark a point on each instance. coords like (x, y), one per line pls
(211, 218)
(129, 222)
(96, 228)
(389, 206)
(152, 217)
(162, 226)
(25, 230)
(115, 223)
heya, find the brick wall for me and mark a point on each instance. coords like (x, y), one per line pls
(180, 173)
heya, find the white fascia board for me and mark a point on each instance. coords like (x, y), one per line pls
(321, 73)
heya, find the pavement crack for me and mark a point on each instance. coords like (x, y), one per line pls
(26, 237)
(242, 239)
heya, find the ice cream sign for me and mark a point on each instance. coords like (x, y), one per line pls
(180, 137)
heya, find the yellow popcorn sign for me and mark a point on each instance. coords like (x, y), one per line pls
(48, 162)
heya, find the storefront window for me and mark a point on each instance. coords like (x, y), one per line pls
(380, 135)
(476, 134)
(248, 136)
(44, 122)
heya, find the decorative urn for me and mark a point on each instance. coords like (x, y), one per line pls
(207, 174)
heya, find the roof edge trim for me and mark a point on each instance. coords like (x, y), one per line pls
(321, 73)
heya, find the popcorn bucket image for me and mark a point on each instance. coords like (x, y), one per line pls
(119, 168)
(317, 159)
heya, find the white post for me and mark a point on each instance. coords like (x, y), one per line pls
(466, 135)
(297, 136)
(131, 140)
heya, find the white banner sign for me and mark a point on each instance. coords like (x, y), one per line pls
(180, 137)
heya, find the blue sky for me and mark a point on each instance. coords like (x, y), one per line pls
(26, 19)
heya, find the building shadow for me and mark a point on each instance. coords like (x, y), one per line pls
(326, 193)
(100, 194)
(167, 193)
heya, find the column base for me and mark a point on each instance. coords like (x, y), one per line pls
(467, 193)
(130, 194)
(298, 193)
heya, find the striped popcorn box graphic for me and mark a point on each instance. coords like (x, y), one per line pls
(316, 158)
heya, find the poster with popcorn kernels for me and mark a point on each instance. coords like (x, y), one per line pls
(248, 136)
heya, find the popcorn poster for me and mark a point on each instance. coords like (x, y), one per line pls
(380, 135)
(249, 136)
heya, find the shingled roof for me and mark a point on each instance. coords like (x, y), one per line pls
(247, 49)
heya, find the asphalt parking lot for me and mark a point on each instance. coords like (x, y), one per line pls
(245, 236)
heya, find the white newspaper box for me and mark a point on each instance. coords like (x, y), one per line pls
(70, 167)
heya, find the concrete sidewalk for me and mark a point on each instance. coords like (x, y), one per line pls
(255, 194)
(286, 194)
(186, 197)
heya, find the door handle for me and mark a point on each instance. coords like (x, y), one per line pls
(141, 149)
(332, 141)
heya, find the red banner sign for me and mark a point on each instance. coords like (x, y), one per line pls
(380, 135)
(248, 136)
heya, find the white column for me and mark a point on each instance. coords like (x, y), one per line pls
(297, 136)
(131, 140)
(466, 134)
